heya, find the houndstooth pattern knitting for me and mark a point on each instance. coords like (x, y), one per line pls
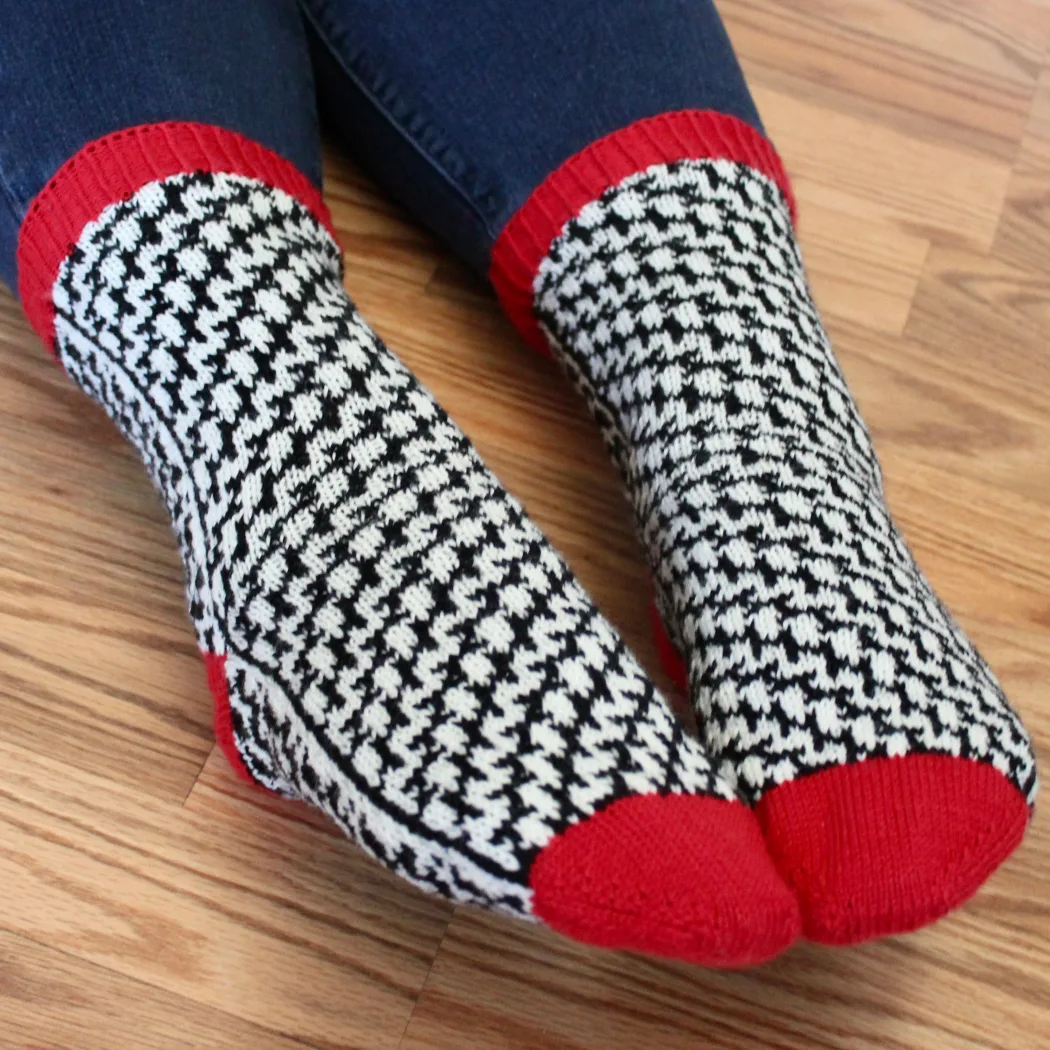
(403, 648)
(679, 305)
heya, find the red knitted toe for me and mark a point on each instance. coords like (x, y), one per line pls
(888, 845)
(215, 666)
(684, 876)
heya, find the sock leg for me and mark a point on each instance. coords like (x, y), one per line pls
(388, 636)
(834, 690)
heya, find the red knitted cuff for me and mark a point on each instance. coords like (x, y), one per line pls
(527, 237)
(114, 167)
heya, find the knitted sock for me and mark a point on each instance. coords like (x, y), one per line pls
(833, 688)
(388, 636)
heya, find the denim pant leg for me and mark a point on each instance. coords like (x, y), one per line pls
(72, 71)
(461, 110)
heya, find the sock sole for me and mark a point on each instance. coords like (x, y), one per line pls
(695, 883)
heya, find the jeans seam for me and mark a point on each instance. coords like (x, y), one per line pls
(326, 37)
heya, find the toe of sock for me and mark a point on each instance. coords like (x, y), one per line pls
(682, 876)
(888, 845)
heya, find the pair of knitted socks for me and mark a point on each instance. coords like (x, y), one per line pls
(389, 637)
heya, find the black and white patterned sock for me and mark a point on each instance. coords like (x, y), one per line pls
(388, 636)
(833, 688)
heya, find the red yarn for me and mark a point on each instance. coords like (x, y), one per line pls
(216, 669)
(114, 167)
(887, 845)
(685, 876)
(526, 239)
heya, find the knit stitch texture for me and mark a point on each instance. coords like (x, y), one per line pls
(389, 636)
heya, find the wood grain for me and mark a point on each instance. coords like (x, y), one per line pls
(148, 899)
(1023, 236)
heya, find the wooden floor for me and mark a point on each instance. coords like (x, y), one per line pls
(148, 900)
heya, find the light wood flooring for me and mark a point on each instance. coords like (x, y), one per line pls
(147, 900)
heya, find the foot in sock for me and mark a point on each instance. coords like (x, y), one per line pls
(833, 689)
(388, 636)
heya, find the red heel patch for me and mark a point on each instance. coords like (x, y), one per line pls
(216, 668)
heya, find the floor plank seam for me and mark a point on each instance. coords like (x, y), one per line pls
(430, 970)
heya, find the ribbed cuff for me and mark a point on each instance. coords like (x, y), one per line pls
(688, 134)
(116, 166)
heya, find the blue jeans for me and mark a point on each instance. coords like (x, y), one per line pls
(458, 116)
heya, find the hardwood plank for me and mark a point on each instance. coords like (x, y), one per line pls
(953, 409)
(863, 168)
(499, 987)
(81, 1006)
(981, 570)
(861, 270)
(222, 902)
(97, 660)
(100, 692)
(955, 530)
(959, 73)
(1023, 236)
(976, 312)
